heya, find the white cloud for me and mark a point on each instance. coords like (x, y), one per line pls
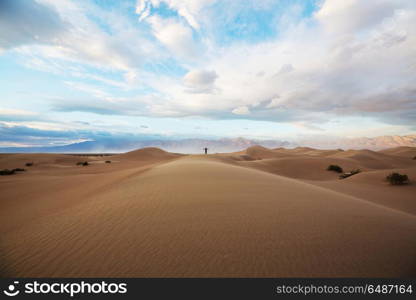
(304, 125)
(348, 16)
(174, 35)
(57, 35)
(28, 22)
(38, 125)
(286, 68)
(16, 112)
(241, 110)
(351, 57)
(355, 16)
(358, 61)
(89, 89)
(332, 77)
(13, 144)
(200, 81)
(188, 9)
(143, 9)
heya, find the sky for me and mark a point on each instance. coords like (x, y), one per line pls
(72, 71)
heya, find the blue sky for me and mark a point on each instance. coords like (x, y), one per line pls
(264, 69)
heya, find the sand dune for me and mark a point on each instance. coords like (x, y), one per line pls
(369, 185)
(150, 153)
(409, 152)
(373, 187)
(196, 216)
(308, 163)
(159, 214)
(259, 152)
(373, 160)
(314, 168)
(12, 161)
(311, 151)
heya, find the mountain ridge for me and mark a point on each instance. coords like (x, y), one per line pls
(195, 145)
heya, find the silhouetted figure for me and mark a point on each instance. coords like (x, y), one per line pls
(206, 150)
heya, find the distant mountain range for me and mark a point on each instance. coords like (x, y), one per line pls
(376, 143)
(219, 145)
(183, 146)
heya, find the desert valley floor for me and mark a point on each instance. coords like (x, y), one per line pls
(256, 213)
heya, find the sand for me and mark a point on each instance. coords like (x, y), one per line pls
(256, 213)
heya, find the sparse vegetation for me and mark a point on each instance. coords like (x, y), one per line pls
(334, 168)
(108, 161)
(82, 163)
(414, 158)
(7, 172)
(397, 179)
(29, 164)
(11, 172)
(352, 172)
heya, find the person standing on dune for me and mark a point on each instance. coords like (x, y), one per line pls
(206, 150)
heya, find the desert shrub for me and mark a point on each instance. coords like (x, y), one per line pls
(7, 172)
(82, 163)
(414, 157)
(29, 164)
(335, 168)
(85, 163)
(11, 172)
(108, 161)
(352, 172)
(397, 179)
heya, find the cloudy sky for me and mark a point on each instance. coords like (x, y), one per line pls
(267, 69)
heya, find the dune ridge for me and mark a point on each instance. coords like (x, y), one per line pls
(155, 214)
(146, 154)
(404, 151)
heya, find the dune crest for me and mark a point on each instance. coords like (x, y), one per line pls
(147, 153)
(404, 151)
(151, 213)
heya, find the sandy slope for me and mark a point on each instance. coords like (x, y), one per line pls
(372, 186)
(54, 182)
(374, 160)
(310, 165)
(301, 167)
(146, 154)
(158, 214)
(409, 152)
(12, 161)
